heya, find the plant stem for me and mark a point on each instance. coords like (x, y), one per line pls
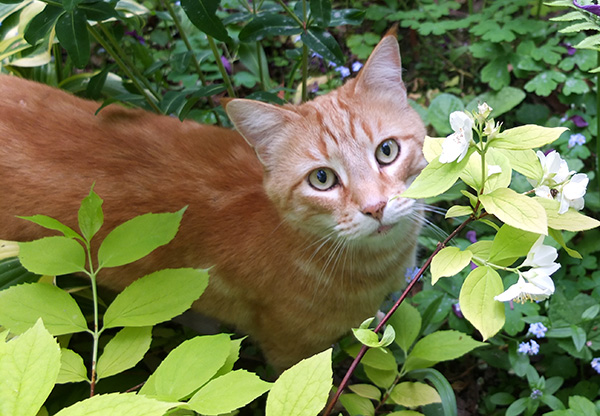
(291, 13)
(58, 62)
(598, 129)
(217, 55)
(539, 9)
(304, 58)
(412, 283)
(260, 67)
(96, 332)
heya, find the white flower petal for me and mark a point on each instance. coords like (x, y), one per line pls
(494, 169)
(523, 291)
(540, 255)
(576, 187)
(543, 191)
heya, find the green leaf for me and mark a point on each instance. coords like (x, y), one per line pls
(380, 358)
(381, 378)
(70, 5)
(443, 387)
(320, 10)
(511, 242)
(582, 404)
(458, 211)
(569, 221)
(12, 273)
(517, 210)
(302, 389)
(71, 31)
(29, 367)
(569, 17)
(366, 390)
(472, 174)
(116, 404)
(21, 306)
(52, 224)
(557, 236)
(448, 262)
(90, 215)
(98, 10)
(501, 101)
(72, 369)
(544, 83)
(324, 44)
(269, 24)
(356, 405)
(40, 26)
(124, 351)
(589, 42)
(407, 325)
(188, 367)
(366, 337)
(432, 147)
(342, 17)
(414, 394)
(202, 13)
(527, 137)
(477, 301)
(439, 112)
(440, 346)
(436, 178)
(525, 162)
(138, 237)
(52, 256)
(156, 297)
(228, 393)
(496, 74)
(575, 86)
(234, 353)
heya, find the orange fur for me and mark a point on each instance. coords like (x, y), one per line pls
(293, 266)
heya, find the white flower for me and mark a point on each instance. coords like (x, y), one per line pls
(555, 169)
(491, 129)
(543, 191)
(540, 288)
(542, 256)
(571, 194)
(455, 146)
(484, 110)
(494, 169)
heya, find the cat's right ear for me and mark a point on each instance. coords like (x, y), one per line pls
(261, 124)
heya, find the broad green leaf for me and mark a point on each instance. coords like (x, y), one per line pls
(436, 178)
(432, 148)
(52, 224)
(356, 405)
(366, 336)
(366, 390)
(228, 393)
(40, 26)
(525, 162)
(381, 378)
(72, 369)
(117, 404)
(320, 10)
(414, 394)
(380, 358)
(526, 137)
(342, 17)
(124, 351)
(322, 42)
(583, 405)
(439, 111)
(501, 101)
(496, 74)
(517, 210)
(302, 389)
(99, 10)
(138, 237)
(388, 336)
(188, 367)
(234, 353)
(202, 13)
(448, 262)
(569, 221)
(511, 242)
(90, 215)
(443, 387)
(71, 31)
(29, 367)
(70, 5)
(406, 413)
(12, 273)
(270, 24)
(545, 82)
(458, 211)
(21, 306)
(477, 301)
(407, 325)
(52, 256)
(156, 298)
(440, 346)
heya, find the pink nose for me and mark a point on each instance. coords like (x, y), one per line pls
(375, 210)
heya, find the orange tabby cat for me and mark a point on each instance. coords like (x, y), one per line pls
(306, 240)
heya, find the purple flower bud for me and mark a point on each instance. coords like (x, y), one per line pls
(536, 394)
(592, 8)
(471, 236)
(137, 37)
(457, 311)
(356, 66)
(226, 64)
(579, 121)
(344, 72)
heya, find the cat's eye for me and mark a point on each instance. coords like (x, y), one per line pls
(387, 151)
(322, 179)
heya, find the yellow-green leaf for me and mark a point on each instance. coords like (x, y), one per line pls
(448, 262)
(459, 211)
(525, 162)
(526, 137)
(414, 394)
(517, 210)
(432, 148)
(72, 369)
(570, 221)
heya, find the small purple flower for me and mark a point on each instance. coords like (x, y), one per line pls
(226, 64)
(315, 55)
(471, 236)
(344, 72)
(536, 394)
(535, 347)
(538, 329)
(570, 49)
(592, 8)
(410, 273)
(579, 121)
(529, 348)
(596, 364)
(457, 311)
(314, 87)
(576, 140)
(356, 66)
(137, 37)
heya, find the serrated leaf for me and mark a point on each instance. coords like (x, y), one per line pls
(511, 242)
(188, 367)
(234, 353)
(414, 394)
(29, 367)
(72, 369)
(322, 42)
(302, 389)
(458, 211)
(407, 325)
(202, 13)
(473, 176)
(569, 17)
(90, 215)
(114, 404)
(448, 262)
(124, 351)
(156, 298)
(569, 221)
(578, 27)
(228, 393)
(516, 210)
(71, 31)
(526, 137)
(496, 74)
(477, 301)
(52, 256)
(589, 42)
(138, 237)
(21, 306)
(544, 83)
(52, 224)
(12, 273)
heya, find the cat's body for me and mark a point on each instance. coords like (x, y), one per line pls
(294, 266)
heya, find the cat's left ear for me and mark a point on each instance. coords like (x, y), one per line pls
(383, 71)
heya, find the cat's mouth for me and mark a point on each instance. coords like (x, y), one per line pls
(383, 229)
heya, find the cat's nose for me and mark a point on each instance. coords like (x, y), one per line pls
(375, 210)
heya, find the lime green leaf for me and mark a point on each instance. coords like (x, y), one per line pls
(302, 389)
(366, 337)
(517, 210)
(52, 224)
(52, 256)
(432, 148)
(188, 367)
(526, 137)
(458, 211)
(477, 301)
(406, 413)
(21, 306)
(156, 298)
(569, 221)
(380, 358)
(228, 392)
(366, 390)
(117, 404)
(29, 367)
(124, 351)
(448, 262)
(381, 378)
(138, 237)
(407, 325)
(511, 242)
(72, 369)
(557, 236)
(234, 353)
(525, 162)
(356, 405)
(414, 394)
(90, 215)
(388, 336)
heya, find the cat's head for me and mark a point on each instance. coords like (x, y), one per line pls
(334, 166)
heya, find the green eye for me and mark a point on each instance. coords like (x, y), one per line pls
(322, 179)
(387, 151)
